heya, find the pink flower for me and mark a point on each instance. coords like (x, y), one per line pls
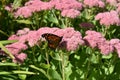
(93, 38)
(25, 35)
(17, 47)
(112, 2)
(20, 58)
(37, 5)
(116, 44)
(46, 6)
(71, 38)
(13, 37)
(47, 30)
(108, 18)
(92, 3)
(117, 48)
(32, 2)
(118, 8)
(105, 47)
(114, 41)
(67, 4)
(22, 32)
(70, 13)
(33, 6)
(23, 11)
(101, 4)
(32, 38)
(8, 7)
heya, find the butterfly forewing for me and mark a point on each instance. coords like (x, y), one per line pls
(53, 40)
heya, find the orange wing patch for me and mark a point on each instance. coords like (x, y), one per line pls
(53, 40)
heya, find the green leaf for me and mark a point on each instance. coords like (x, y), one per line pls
(8, 64)
(56, 56)
(23, 72)
(54, 75)
(107, 56)
(41, 70)
(8, 77)
(6, 51)
(68, 71)
(16, 3)
(22, 76)
(2, 32)
(16, 72)
(45, 65)
(8, 41)
(111, 69)
(24, 21)
(94, 59)
(53, 19)
(113, 31)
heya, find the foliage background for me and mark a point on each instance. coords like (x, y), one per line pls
(42, 63)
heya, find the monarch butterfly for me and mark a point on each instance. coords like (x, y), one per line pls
(53, 40)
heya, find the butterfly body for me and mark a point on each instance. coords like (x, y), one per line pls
(53, 40)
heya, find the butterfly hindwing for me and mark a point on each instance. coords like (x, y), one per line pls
(53, 40)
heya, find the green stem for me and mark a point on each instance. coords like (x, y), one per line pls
(6, 51)
(105, 30)
(47, 58)
(41, 70)
(66, 22)
(16, 72)
(56, 18)
(87, 71)
(4, 33)
(89, 63)
(33, 53)
(63, 66)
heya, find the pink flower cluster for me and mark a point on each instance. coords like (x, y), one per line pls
(32, 6)
(22, 36)
(68, 8)
(112, 2)
(92, 38)
(92, 3)
(8, 7)
(71, 40)
(16, 49)
(67, 4)
(116, 44)
(118, 8)
(96, 40)
(72, 13)
(108, 18)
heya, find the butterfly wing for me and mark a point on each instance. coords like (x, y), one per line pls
(53, 40)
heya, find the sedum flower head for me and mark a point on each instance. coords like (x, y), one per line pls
(108, 18)
(71, 38)
(95, 39)
(92, 3)
(72, 13)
